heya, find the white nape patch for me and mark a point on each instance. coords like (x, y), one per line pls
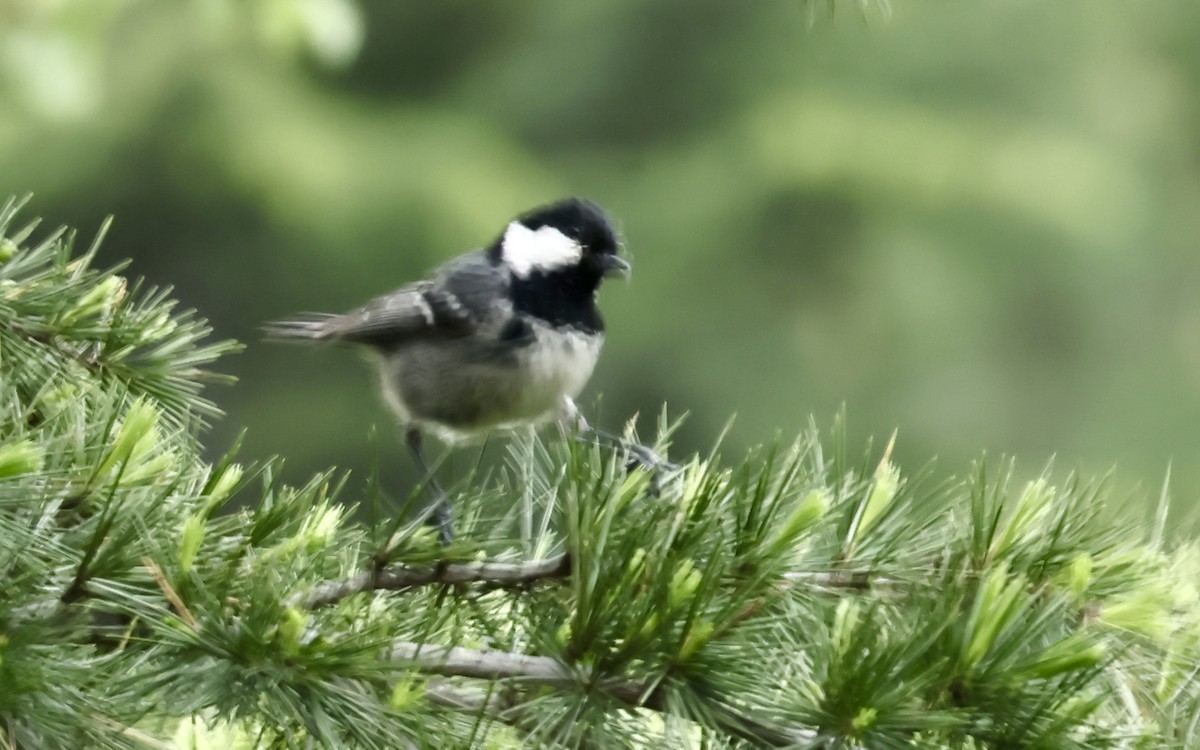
(545, 249)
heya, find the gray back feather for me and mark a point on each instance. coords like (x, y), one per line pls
(452, 304)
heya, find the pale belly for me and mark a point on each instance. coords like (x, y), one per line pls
(442, 386)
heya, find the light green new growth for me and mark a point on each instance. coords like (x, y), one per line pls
(792, 596)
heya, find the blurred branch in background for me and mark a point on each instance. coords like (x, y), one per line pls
(831, 7)
(54, 53)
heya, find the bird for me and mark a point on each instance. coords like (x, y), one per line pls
(502, 336)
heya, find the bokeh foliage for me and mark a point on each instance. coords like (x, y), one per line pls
(974, 221)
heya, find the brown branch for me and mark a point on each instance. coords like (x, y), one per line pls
(546, 671)
(842, 580)
(508, 575)
(485, 665)
(470, 700)
(501, 704)
(400, 577)
(161, 579)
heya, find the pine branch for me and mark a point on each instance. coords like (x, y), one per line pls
(469, 700)
(514, 575)
(503, 705)
(854, 581)
(457, 661)
(793, 597)
(545, 671)
(397, 578)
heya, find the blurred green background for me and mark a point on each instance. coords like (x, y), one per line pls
(974, 222)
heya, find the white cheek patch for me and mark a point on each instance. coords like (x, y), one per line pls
(545, 249)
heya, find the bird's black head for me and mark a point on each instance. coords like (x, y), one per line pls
(572, 236)
(558, 254)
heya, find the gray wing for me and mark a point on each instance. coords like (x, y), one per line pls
(452, 304)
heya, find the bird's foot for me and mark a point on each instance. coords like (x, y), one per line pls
(640, 456)
(636, 455)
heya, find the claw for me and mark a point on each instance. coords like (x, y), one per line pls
(641, 456)
(636, 455)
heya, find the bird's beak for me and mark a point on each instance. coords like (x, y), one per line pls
(615, 266)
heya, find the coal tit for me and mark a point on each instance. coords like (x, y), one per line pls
(499, 337)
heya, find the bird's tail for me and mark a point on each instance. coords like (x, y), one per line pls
(306, 327)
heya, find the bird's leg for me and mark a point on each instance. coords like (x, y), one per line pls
(441, 518)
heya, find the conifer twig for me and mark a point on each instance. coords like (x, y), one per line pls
(546, 671)
(508, 575)
(400, 577)
(169, 592)
(472, 700)
(488, 664)
(503, 706)
(842, 580)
